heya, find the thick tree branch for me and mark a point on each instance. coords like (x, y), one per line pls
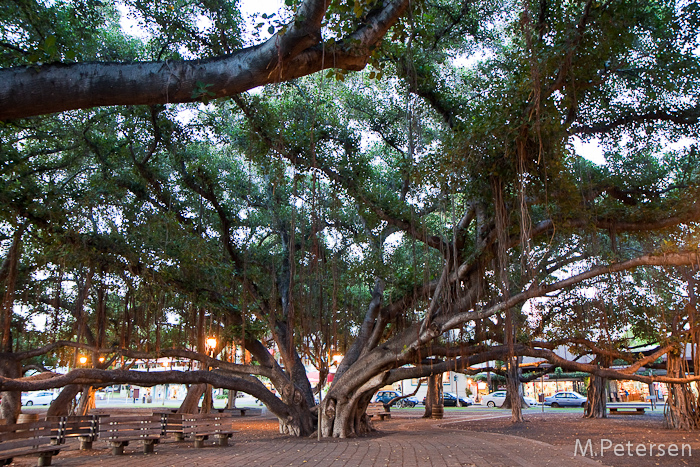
(296, 50)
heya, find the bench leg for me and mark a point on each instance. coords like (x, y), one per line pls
(44, 459)
(85, 443)
(148, 446)
(222, 440)
(199, 443)
(117, 449)
(179, 436)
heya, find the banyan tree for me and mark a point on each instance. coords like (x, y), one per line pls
(431, 213)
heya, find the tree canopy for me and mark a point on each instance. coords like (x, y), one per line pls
(428, 213)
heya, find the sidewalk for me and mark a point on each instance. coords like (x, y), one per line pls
(404, 441)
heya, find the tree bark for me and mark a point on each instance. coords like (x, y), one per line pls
(8, 299)
(514, 390)
(87, 400)
(190, 405)
(433, 396)
(208, 400)
(11, 405)
(596, 405)
(681, 409)
(296, 50)
(64, 404)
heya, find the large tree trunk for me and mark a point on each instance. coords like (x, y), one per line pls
(514, 390)
(208, 401)
(64, 404)
(343, 409)
(87, 401)
(432, 397)
(681, 410)
(10, 368)
(190, 404)
(231, 402)
(300, 421)
(11, 400)
(596, 405)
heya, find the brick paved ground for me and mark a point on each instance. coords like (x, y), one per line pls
(404, 441)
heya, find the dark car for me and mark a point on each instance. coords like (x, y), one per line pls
(450, 400)
(386, 396)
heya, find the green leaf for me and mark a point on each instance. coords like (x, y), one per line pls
(50, 42)
(271, 29)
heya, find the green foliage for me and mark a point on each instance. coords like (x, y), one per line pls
(286, 205)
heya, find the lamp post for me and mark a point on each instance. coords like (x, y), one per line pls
(209, 397)
(545, 366)
(457, 403)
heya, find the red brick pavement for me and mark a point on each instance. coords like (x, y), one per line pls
(405, 441)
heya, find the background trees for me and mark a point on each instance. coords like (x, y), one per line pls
(426, 215)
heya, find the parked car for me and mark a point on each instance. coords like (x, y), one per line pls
(496, 399)
(385, 396)
(100, 395)
(408, 402)
(530, 400)
(37, 398)
(566, 399)
(450, 400)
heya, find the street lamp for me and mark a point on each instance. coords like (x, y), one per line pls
(208, 399)
(83, 360)
(457, 403)
(211, 345)
(546, 366)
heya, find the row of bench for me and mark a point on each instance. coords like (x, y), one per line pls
(44, 438)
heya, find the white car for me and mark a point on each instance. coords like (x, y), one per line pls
(37, 398)
(496, 399)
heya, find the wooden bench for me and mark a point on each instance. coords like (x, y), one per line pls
(83, 427)
(35, 438)
(240, 412)
(201, 426)
(626, 410)
(172, 425)
(378, 409)
(119, 430)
